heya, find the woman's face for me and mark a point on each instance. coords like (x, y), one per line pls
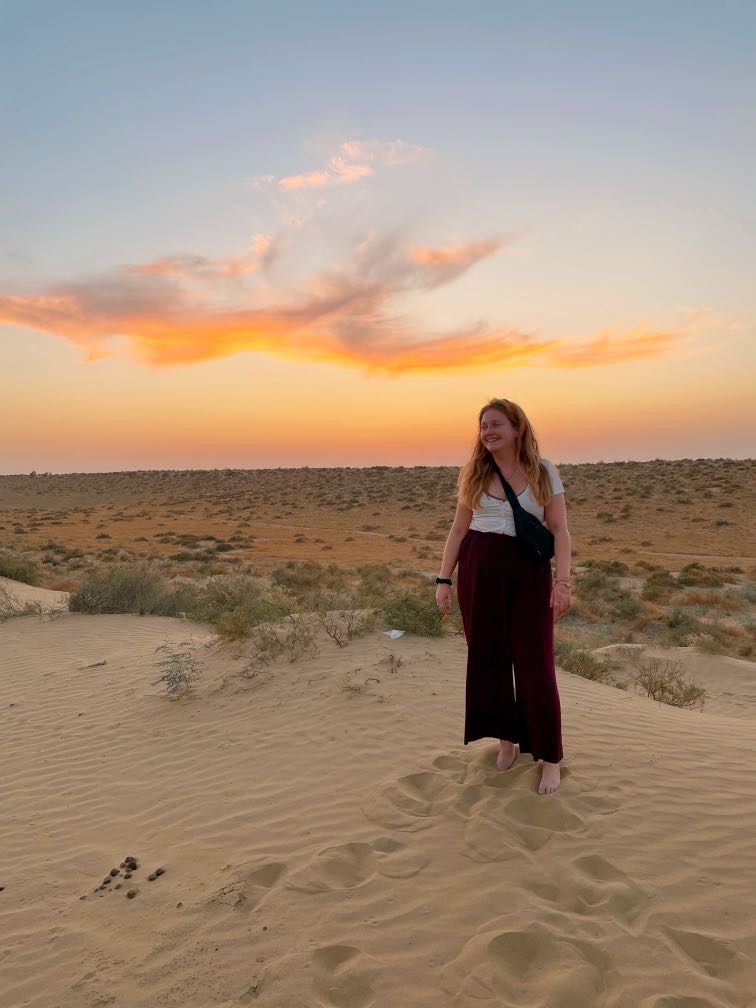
(496, 431)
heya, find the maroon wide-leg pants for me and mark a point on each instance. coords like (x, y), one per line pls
(509, 624)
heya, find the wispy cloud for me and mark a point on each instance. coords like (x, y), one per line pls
(355, 160)
(261, 253)
(157, 314)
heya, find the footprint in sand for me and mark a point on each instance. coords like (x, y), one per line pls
(592, 885)
(716, 956)
(527, 968)
(345, 866)
(345, 976)
(249, 885)
(412, 802)
(497, 827)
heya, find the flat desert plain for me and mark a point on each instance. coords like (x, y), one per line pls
(317, 833)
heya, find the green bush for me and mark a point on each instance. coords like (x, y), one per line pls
(679, 626)
(18, 568)
(416, 614)
(591, 584)
(582, 662)
(699, 576)
(131, 588)
(659, 584)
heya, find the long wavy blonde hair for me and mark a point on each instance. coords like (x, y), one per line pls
(476, 474)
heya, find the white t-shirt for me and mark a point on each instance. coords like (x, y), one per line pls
(494, 514)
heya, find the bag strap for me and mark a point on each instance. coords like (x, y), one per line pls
(510, 494)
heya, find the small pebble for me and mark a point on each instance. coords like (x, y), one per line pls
(152, 877)
(82, 897)
(127, 874)
(177, 905)
(114, 872)
(160, 871)
(118, 886)
(131, 894)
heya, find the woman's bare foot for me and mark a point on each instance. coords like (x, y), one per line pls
(507, 755)
(549, 778)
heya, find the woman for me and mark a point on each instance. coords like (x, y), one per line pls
(509, 601)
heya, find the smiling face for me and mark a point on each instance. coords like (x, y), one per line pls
(496, 431)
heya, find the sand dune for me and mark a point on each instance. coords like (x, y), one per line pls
(328, 841)
(27, 593)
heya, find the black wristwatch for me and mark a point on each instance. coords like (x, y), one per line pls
(443, 581)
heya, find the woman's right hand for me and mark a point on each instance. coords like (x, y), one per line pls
(444, 599)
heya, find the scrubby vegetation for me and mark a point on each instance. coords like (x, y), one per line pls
(179, 667)
(19, 568)
(240, 550)
(663, 681)
(581, 661)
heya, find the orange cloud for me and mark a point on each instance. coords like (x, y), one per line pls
(613, 347)
(451, 260)
(150, 314)
(262, 251)
(355, 160)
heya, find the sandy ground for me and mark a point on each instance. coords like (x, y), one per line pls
(327, 839)
(23, 593)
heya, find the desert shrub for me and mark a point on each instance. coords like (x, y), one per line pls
(659, 585)
(224, 594)
(180, 667)
(679, 626)
(699, 576)
(239, 620)
(340, 616)
(415, 613)
(591, 583)
(18, 568)
(615, 568)
(625, 607)
(124, 588)
(582, 662)
(10, 606)
(294, 636)
(663, 681)
(374, 584)
(298, 576)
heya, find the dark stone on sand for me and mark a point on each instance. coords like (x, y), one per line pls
(127, 874)
(151, 878)
(117, 885)
(131, 894)
(114, 872)
(178, 905)
(130, 859)
(160, 871)
(82, 897)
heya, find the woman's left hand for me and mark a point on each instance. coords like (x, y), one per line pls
(560, 599)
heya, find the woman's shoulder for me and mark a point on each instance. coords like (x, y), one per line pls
(556, 483)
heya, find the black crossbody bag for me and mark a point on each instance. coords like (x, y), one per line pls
(536, 540)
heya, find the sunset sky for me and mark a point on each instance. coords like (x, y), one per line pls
(242, 234)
